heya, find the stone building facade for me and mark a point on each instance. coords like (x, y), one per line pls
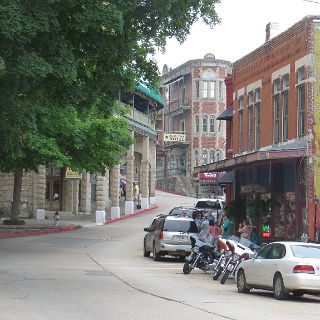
(51, 190)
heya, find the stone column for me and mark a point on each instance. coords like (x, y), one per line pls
(101, 200)
(153, 174)
(41, 200)
(68, 196)
(145, 174)
(85, 193)
(129, 204)
(75, 197)
(115, 192)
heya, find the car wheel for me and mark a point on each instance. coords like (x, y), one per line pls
(279, 290)
(216, 274)
(145, 252)
(187, 267)
(156, 255)
(225, 277)
(297, 293)
(242, 282)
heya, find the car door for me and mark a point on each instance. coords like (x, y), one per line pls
(273, 263)
(149, 237)
(254, 268)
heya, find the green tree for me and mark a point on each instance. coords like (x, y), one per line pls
(62, 64)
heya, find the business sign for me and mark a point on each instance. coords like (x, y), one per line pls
(174, 137)
(253, 188)
(72, 175)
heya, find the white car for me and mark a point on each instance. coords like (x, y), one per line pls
(215, 204)
(282, 267)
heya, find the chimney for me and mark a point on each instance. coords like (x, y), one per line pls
(271, 30)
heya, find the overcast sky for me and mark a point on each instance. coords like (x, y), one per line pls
(242, 29)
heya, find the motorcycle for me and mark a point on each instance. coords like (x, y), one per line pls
(203, 256)
(224, 256)
(243, 245)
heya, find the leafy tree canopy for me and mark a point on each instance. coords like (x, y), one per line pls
(62, 63)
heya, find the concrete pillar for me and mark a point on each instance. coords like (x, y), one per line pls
(115, 192)
(152, 178)
(85, 193)
(145, 173)
(129, 204)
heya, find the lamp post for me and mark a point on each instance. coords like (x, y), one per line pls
(315, 202)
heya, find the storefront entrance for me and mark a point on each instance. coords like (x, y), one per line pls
(54, 188)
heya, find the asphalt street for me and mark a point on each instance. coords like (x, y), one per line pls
(100, 273)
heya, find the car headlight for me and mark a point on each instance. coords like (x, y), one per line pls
(196, 249)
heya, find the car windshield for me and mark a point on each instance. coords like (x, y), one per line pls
(208, 205)
(180, 226)
(305, 251)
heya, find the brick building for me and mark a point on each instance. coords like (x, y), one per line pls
(194, 95)
(275, 132)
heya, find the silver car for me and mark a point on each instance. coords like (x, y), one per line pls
(282, 267)
(169, 235)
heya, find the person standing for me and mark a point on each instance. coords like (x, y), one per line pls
(56, 218)
(244, 229)
(226, 227)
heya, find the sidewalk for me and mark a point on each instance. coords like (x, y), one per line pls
(67, 222)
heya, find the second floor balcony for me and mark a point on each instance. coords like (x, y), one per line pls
(142, 123)
(177, 107)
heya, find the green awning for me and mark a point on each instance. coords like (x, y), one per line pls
(156, 97)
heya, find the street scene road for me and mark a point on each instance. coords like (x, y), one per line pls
(100, 273)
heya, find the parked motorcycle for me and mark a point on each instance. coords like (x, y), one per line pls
(203, 256)
(243, 245)
(224, 255)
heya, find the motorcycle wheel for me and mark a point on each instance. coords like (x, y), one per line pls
(225, 277)
(216, 274)
(186, 268)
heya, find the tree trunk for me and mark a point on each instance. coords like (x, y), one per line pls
(15, 209)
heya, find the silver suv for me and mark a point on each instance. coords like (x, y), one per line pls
(169, 235)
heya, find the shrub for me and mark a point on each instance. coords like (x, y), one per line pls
(11, 222)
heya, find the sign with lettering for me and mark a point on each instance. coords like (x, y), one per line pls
(72, 175)
(174, 137)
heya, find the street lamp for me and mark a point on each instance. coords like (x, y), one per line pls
(315, 202)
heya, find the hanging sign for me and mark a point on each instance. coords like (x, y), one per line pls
(174, 137)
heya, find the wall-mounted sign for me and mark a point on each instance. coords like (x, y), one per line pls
(253, 188)
(72, 175)
(174, 137)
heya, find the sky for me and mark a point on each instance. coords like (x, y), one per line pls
(242, 29)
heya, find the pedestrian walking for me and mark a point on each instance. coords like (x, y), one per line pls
(56, 218)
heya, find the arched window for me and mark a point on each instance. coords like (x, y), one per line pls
(204, 157)
(218, 155)
(196, 123)
(211, 123)
(196, 158)
(212, 158)
(205, 123)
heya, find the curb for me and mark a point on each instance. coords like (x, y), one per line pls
(67, 228)
(132, 215)
(36, 232)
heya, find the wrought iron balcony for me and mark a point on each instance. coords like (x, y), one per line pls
(177, 106)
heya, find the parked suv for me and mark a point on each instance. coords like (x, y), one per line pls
(216, 205)
(169, 235)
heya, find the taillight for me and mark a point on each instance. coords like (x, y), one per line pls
(303, 269)
(161, 235)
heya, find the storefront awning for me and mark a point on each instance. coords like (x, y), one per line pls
(292, 149)
(226, 114)
(227, 178)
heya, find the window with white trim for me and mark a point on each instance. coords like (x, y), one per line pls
(212, 157)
(208, 89)
(276, 110)
(257, 116)
(301, 100)
(285, 107)
(211, 128)
(240, 130)
(204, 156)
(204, 123)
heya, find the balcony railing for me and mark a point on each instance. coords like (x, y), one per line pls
(142, 123)
(177, 106)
